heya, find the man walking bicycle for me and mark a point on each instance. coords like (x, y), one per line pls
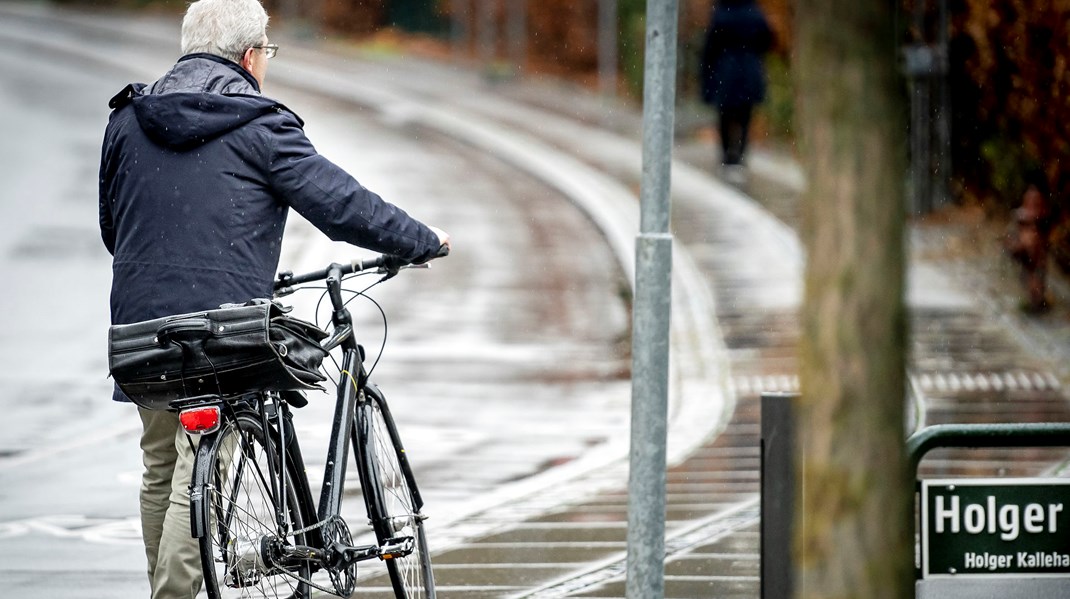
(198, 171)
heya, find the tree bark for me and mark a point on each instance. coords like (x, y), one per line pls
(854, 497)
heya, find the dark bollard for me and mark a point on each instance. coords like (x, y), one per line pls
(777, 493)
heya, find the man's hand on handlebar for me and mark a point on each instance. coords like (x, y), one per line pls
(444, 242)
(392, 264)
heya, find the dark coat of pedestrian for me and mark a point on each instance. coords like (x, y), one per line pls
(732, 74)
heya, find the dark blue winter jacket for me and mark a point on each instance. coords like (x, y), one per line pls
(197, 174)
(196, 177)
(731, 71)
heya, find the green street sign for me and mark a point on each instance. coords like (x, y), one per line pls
(995, 527)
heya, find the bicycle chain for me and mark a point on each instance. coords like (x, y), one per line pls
(307, 581)
(319, 524)
(314, 585)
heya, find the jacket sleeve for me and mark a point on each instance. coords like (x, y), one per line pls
(335, 202)
(107, 221)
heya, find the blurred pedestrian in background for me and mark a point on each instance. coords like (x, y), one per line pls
(1029, 239)
(732, 76)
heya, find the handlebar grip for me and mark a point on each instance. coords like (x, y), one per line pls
(391, 263)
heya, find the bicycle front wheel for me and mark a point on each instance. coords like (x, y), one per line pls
(392, 502)
(244, 519)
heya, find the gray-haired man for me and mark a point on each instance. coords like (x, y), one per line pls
(197, 173)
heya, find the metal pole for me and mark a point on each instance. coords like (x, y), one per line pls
(517, 34)
(943, 104)
(289, 10)
(486, 31)
(974, 436)
(302, 26)
(608, 32)
(921, 159)
(919, 70)
(651, 312)
(459, 15)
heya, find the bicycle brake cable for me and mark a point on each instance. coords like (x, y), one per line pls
(382, 313)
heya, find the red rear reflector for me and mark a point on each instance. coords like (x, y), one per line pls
(204, 419)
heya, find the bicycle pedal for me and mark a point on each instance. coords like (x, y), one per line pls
(397, 547)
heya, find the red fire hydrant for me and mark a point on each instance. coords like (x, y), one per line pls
(1028, 245)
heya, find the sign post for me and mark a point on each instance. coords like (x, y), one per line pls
(651, 313)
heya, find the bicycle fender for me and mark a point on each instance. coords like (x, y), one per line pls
(198, 488)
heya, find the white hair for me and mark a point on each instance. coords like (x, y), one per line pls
(225, 28)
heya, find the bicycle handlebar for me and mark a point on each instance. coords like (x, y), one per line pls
(384, 263)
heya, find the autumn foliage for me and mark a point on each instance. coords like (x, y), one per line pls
(1010, 74)
(1010, 65)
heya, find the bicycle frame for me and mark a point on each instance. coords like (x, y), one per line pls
(353, 391)
(343, 428)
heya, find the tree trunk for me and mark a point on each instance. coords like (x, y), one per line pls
(854, 498)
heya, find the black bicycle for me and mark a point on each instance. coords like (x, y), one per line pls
(261, 533)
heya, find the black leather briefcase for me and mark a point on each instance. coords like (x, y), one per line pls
(229, 351)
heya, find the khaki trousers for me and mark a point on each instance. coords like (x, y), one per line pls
(174, 565)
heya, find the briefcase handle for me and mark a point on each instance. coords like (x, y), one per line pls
(186, 329)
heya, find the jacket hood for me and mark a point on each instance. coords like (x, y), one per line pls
(201, 98)
(185, 120)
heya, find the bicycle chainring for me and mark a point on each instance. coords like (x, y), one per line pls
(344, 579)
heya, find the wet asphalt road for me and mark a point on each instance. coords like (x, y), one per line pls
(501, 361)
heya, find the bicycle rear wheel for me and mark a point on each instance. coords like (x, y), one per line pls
(242, 517)
(392, 501)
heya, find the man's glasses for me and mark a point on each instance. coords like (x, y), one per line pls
(270, 50)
